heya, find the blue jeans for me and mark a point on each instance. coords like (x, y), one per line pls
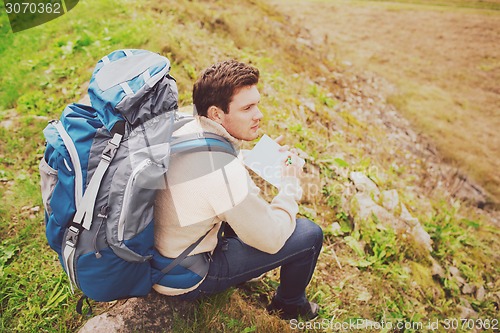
(234, 262)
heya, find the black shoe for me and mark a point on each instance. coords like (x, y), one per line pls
(305, 311)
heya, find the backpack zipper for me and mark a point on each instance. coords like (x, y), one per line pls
(98, 254)
(102, 215)
(126, 197)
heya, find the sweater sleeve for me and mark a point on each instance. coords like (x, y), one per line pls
(265, 226)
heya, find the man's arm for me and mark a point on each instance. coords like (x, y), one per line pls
(266, 226)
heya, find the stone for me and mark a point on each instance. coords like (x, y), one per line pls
(7, 124)
(437, 270)
(390, 200)
(455, 273)
(480, 294)
(310, 105)
(335, 229)
(364, 296)
(8, 117)
(466, 312)
(152, 313)
(421, 236)
(467, 289)
(363, 207)
(363, 183)
(104, 323)
(407, 217)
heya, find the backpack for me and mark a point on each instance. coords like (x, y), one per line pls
(100, 172)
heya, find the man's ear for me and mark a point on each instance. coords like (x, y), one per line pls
(216, 114)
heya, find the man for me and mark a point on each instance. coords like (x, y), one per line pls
(259, 236)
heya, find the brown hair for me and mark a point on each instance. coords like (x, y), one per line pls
(218, 83)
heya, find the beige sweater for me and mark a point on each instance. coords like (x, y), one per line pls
(199, 198)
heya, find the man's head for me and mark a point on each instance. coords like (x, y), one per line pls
(227, 93)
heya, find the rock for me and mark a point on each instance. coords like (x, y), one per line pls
(8, 117)
(363, 207)
(390, 200)
(418, 232)
(363, 183)
(104, 323)
(7, 124)
(421, 236)
(437, 270)
(467, 289)
(480, 294)
(304, 41)
(466, 312)
(310, 105)
(152, 313)
(364, 296)
(455, 273)
(460, 186)
(335, 229)
(407, 217)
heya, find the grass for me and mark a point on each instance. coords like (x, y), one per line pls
(383, 274)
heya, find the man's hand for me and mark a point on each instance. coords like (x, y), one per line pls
(292, 166)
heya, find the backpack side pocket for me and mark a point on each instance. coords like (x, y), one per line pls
(48, 180)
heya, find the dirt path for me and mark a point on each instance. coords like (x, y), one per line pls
(444, 61)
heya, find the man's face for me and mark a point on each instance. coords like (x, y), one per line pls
(243, 119)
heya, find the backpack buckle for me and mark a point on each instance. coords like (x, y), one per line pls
(72, 236)
(110, 150)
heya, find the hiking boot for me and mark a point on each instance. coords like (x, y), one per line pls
(306, 311)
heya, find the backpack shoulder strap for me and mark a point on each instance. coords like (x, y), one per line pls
(205, 141)
(86, 209)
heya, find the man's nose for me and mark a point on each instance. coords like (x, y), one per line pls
(258, 115)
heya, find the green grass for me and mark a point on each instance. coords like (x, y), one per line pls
(384, 275)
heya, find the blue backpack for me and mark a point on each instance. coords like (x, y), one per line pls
(102, 167)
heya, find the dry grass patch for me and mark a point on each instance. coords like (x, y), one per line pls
(444, 61)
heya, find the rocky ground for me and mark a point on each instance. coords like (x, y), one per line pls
(364, 94)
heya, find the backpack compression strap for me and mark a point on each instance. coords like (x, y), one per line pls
(184, 254)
